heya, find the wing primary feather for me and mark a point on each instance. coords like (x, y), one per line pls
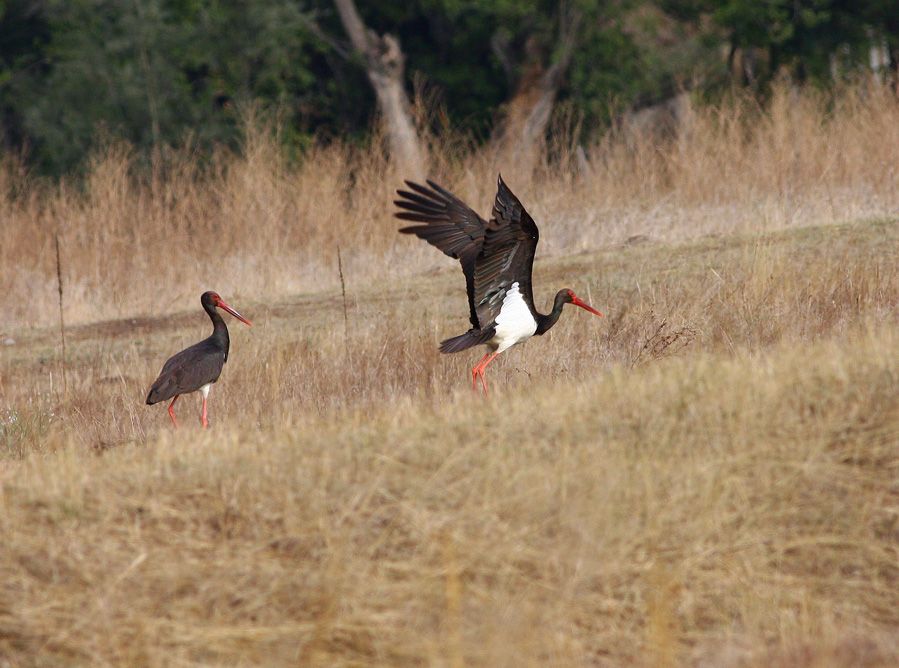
(412, 197)
(447, 223)
(506, 257)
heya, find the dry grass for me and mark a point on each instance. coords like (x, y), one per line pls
(706, 477)
(257, 227)
(726, 499)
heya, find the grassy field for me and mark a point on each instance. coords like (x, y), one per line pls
(708, 476)
(257, 225)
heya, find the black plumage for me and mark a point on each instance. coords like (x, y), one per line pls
(199, 365)
(494, 254)
(496, 257)
(450, 225)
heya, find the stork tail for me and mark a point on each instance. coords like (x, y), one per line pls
(469, 339)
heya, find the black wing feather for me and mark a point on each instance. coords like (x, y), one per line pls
(448, 224)
(506, 257)
(469, 339)
(188, 371)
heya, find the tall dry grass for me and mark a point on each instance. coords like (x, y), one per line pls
(707, 510)
(731, 296)
(256, 225)
(617, 501)
(705, 477)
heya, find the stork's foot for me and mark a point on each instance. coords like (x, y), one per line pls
(172, 411)
(480, 370)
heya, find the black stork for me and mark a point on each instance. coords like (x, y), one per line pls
(497, 257)
(199, 366)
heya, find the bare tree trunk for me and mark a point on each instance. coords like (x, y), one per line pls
(385, 65)
(529, 111)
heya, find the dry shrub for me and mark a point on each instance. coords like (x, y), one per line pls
(704, 510)
(256, 225)
(734, 296)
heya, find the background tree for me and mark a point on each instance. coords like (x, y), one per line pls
(155, 72)
(24, 34)
(808, 40)
(164, 72)
(385, 65)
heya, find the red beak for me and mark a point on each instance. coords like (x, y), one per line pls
(577, 301)
(223, 305)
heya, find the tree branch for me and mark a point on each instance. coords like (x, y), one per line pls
(313, 27)
(353, 25)
(385, 66)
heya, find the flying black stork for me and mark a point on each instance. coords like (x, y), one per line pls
(199, 366)
(497, 257)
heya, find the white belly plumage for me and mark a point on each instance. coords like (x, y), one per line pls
(514, 323)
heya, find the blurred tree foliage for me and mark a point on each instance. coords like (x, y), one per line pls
(167, 72)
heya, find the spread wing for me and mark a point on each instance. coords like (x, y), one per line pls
(446, 223)
(506, 257)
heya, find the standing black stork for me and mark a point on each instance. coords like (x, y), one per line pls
(199, 366)
(497, 258)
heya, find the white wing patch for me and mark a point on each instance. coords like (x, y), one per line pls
(514, 323)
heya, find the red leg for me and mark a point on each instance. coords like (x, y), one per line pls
(482, 367)
(203, 419)
(172, 410)
(477, 370)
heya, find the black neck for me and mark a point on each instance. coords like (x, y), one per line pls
(545, 322)
(219, 329)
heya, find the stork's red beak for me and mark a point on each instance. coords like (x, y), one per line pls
(577, 301)
(222, 305)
